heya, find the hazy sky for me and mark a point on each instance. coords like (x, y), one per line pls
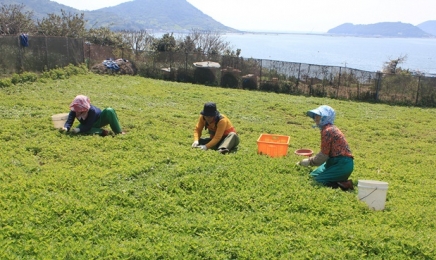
(297, 16)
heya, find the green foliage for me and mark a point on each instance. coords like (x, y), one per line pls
(229, 80)
(24, 77)
(149, 195)
(105, 37)
(59, 73)
(76, 70)
(270, 87)
(5, 83)
(249, 83)
(166, 43)
(64, 25)
(205, 76)
(15, 19)
(65, 72)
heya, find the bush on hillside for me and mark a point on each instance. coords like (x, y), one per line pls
(249, 83)
(269, 87)
(204, 76)
(228, 80)
(5, 83)
(24, 77)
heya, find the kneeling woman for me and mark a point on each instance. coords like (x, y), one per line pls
(91, 118)
(335, 159)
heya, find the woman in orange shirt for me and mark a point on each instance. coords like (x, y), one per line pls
(223, 135)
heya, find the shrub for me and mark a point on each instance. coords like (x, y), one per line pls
(184, 76)
(24, 77)
(290, 88)
(5, 83)
(249, 83)
(76, 70)
(204, 76)
(229, 80)
(269, 87)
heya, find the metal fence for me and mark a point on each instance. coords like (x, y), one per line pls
(293, 78)
(41, 54)
(44, 53)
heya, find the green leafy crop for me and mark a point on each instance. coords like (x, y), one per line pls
(149, 195)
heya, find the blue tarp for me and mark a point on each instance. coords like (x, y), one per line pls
(110, 64)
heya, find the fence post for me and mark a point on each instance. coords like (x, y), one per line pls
(20, 56)
(339, 81)
(298, 77)
(417, 91)
(46, 53)
(68, 51)
(186, 61)
(310, 85)
(260, 73)
(378, 86)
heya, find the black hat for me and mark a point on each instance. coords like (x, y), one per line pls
(209, 109)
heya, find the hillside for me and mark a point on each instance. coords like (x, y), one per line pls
(149, 195)
(167, 15)
(428, 27)
(385, 29)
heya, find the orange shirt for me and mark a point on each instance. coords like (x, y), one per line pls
(217, 132)
(333, 142)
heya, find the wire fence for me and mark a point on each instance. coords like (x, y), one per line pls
(45, 53)
(292, 78)
(41, 54)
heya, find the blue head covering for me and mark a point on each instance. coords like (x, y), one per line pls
(326, 112)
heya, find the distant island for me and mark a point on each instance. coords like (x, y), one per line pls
(384, 29)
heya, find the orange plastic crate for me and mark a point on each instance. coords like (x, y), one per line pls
(273, 145)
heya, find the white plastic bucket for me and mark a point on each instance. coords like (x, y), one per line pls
(373, 193)
(59, 120)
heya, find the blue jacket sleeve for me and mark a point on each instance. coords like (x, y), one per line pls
(70, 120)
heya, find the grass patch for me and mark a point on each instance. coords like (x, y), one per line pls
(148, 195)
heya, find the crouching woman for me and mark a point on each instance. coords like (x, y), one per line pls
(91, 118)
(222, 134)
(335, 159)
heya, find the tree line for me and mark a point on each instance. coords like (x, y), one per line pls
(15, 20)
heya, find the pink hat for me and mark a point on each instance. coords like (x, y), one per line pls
(80, 104)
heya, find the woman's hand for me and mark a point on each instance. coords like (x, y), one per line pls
(202, 147)
(304, 162)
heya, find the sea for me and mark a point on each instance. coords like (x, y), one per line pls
(362, 53)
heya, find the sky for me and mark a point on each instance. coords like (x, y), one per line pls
(316, 16)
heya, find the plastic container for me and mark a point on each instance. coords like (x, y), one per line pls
(304, 152)
(59, 120)
(273, 145)
(373, 193)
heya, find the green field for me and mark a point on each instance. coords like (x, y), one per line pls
(149, 195)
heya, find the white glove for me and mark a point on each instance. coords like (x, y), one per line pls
(194, 144)
(304, 162)
(203, 147)
(76, 130)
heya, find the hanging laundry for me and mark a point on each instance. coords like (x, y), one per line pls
(24, 40)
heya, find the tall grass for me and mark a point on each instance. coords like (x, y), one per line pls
(149, 195)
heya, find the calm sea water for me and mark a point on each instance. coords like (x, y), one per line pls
(361, 53)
